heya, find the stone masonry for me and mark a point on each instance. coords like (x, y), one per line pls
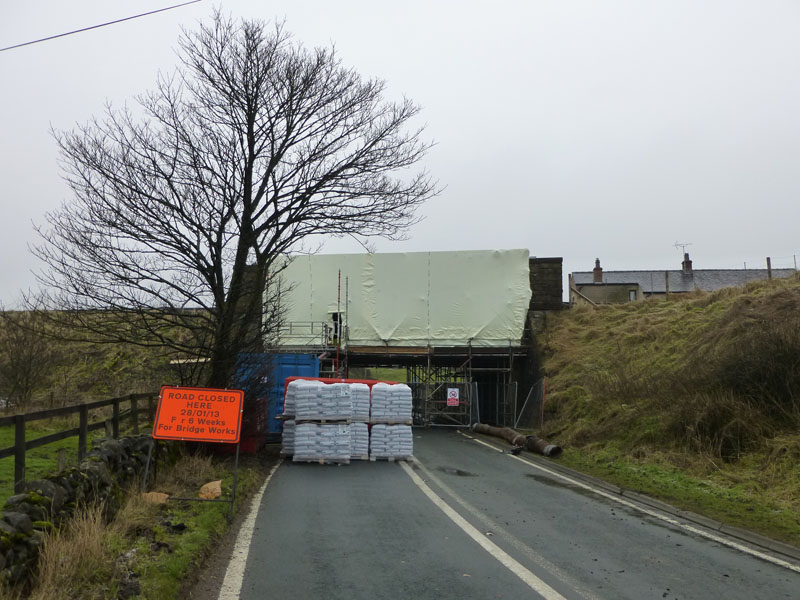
(46, 502)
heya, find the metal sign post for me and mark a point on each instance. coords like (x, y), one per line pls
(200, 415)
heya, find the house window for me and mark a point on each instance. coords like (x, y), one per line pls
(632, 295)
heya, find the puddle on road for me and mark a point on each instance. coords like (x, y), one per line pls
(459, 472)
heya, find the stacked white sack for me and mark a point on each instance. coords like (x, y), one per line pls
(305, 398)
(287, 439)
(380, 399)
(289, 399)
(334, 441)
(305, 440)
(359, 393)
(315, 401)
(390, 403)
(391, 441)
(338, 400)
(359, 440)
(314, 441)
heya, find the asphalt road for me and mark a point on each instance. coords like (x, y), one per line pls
(466, 521)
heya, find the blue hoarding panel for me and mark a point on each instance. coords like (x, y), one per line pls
(283, 366)
(262, 377)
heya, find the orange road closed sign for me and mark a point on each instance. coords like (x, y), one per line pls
(198, 414)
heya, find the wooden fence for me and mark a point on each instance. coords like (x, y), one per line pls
(18, 450)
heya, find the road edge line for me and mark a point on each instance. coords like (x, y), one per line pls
(653, 512)
(531, 580)
(234, 574)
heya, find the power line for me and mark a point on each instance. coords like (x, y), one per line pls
(52, 37)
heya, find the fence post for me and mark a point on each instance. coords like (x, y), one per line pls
(477, 400)
(115, 420)
(19, 453)
(471, 400)
(151, 409)
(135, 415)
(83, 433)
(514, 415)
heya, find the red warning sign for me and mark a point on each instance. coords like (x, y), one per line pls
(452, 396)
(198, 414)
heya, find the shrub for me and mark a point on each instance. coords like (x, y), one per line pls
(718, 423)
(763, 366)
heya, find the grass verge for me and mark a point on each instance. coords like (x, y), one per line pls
(739, 503)
(150, 550)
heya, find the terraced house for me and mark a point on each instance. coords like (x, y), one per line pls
(613, 287)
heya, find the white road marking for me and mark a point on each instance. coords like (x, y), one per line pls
(536, 584)
(518, 544)
(658, 515)
(234, 575)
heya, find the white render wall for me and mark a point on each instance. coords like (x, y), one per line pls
(413, 298)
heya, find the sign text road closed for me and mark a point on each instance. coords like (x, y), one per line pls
(198, 414)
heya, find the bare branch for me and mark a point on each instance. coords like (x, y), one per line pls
(177, 216)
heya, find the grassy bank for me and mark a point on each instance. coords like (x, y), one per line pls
(149, 550)
(694, 400)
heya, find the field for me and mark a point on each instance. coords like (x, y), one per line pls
(43, 460)
(39, 461)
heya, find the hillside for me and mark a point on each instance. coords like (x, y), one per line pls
(695, 400)
(41, 372)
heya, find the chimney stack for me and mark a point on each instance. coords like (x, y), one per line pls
(686, 264)
(597, 272)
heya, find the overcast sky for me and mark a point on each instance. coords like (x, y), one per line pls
(581, 129)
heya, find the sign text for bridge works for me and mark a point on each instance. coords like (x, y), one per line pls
(198, 414)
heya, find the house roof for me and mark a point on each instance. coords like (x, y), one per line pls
(697, 279)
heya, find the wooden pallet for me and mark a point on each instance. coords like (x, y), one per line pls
(359, 457)
(389, 458)
(323, 461)
(390, 422)
(325, 421)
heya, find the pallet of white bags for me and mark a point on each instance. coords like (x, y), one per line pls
(322, 461)
(388, 458)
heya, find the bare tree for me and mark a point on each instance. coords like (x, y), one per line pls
(26, 358)
(179, 215)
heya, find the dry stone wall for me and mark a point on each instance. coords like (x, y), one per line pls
(99, 478)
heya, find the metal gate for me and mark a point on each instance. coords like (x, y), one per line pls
(436, 403)
(531, 413)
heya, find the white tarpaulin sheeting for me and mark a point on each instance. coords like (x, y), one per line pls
(412, 299)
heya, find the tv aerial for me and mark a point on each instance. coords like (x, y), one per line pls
(682, 247)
